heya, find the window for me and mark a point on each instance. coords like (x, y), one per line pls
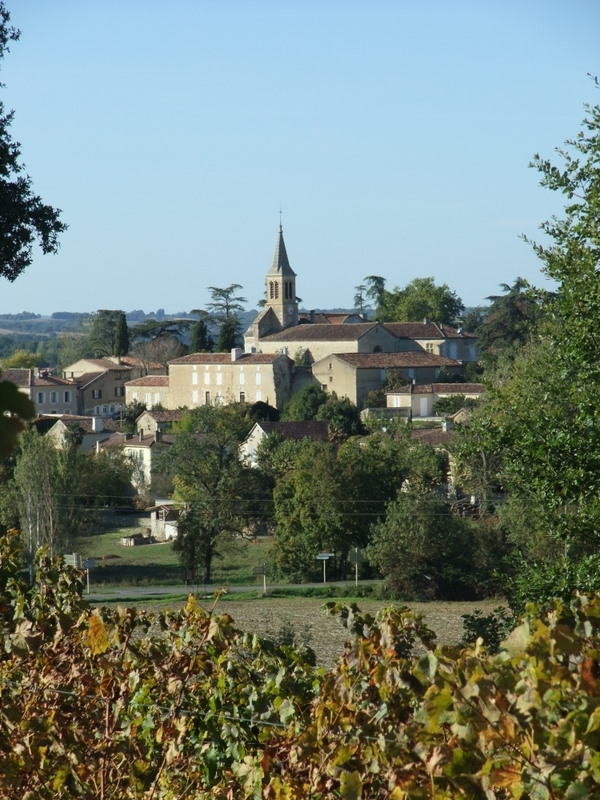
(53, 397)
(40, 397)
(219, 378)
(97, 410)
(195, 397)
(194, 378)
(429, 347)
(134, 397)
(148, 399)
(242, 379)
(119, 391)
(67, 397)
(104, 410)
(156, 399)
(207, 378)
(242, 397)
(259, 396)
(258, 379)
(96, 394)
(331, 379)
(207, 398)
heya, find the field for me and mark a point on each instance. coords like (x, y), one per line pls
(304, 619)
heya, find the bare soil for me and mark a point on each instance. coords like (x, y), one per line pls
(308, 621)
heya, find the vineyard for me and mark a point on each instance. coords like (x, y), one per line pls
(93, 705)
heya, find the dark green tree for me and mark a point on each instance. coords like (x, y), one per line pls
(342, 416)
(121, 336)
(511, 319)
(24, 218)
(375, 290)
(200, 339)
(305, 404)
(100, 329)
(229, 335)
(360, 292)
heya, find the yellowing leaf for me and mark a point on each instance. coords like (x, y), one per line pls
(97, 636)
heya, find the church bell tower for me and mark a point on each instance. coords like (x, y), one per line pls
(281, 286)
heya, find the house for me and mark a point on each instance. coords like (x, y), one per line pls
(89, 430)
(50, 395)
(213, 378)
(441, 340)
(161, 420)
(420, 398)
(101, 382)
(305, 429)
(142, 451)
(354, 375)
(151, 390)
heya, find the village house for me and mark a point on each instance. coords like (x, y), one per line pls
(49, 395)
(88, 430)
(142, 452)
(305, 429)
(101, 382)
(151, 390)
(355, 375)
(420, 398)
(154, 420)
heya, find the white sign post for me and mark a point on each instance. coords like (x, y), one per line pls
(324, 557)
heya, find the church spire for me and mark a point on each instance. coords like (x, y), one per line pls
(281, 264)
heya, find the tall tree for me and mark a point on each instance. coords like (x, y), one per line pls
(24, 218)
(200, 339)
(100, 327)
(360, 298)
(510, 319)
(225, 307)
(121, 335)
(375, 289)
(540, 416)
(225, 303)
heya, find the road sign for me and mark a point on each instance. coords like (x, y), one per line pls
(357, 556)
(73, 560)
(325, 556)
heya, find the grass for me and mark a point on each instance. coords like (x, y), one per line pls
(156, 564)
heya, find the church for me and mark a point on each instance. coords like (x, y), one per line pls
(285, 350)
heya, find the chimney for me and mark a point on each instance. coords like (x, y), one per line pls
(97, 424)
(141, 435)
(157, 435)
(236, 352)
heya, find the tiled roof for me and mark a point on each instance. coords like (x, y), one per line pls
(324, 332)
(131, 361)
(89, 377)
(103, 364)
(225, 358)
(411, 358)
(426, 330)
(134, 440)
(84, 424)
(304, 429)
(165, 415)
(27, 377)
(440, 388)
(149, 380)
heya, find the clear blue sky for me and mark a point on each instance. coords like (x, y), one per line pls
(394, 135)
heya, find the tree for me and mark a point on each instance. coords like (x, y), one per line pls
(343, 417)
(225, 307)
(229, 335)
(359, 298)
(511, 319)
(121, 336)
(422, 549)
(24, 219)
(225, 303)
(375, 289)
(100, 328)
(222, 496)
(420, 299)
(539, 417)
(305, 404)
(21, 359)
(200, 339)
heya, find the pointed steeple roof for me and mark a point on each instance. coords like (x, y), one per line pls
(281, 264)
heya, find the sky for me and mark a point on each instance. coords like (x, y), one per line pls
(391, 137)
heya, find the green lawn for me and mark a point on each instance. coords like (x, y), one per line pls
(158, 564)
